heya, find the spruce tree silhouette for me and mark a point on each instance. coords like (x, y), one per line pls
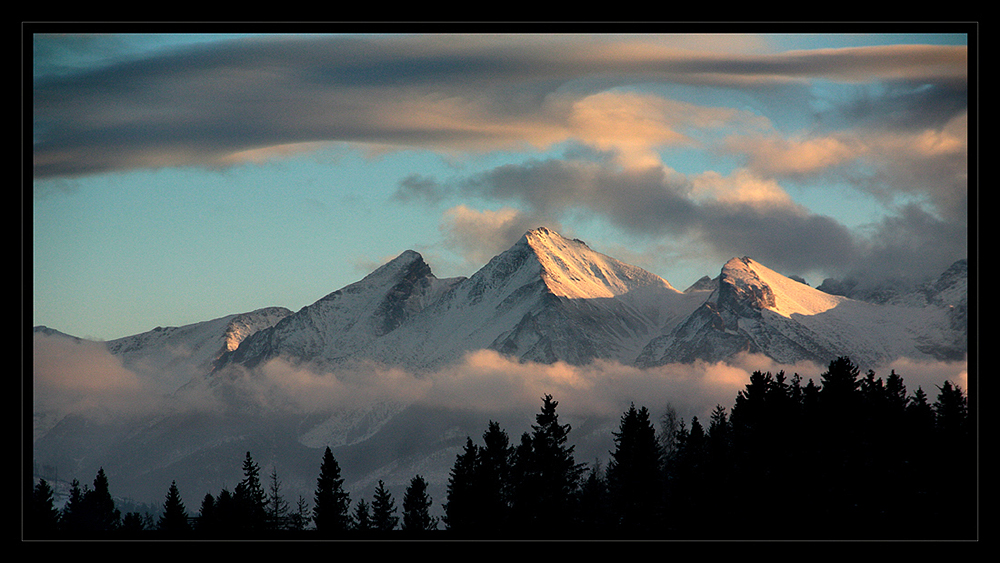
(101, 515)
(72, 516)
(251, 499)
(491, 480)
(277, 507)
(43, 517)
(417, 507)
(549, 477)
(594, 516)
(852, 458)
(461, 510)
(955, 461)
(174, 520)
(206, 522)
(384, 517)
(228, 518)
(362, 517)
(634, 474)
(331, 502)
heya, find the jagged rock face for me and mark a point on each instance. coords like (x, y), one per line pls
(703, 335)
(173, 355)
(403, 298)
(741, 290)
(574, 331)
(549, 298)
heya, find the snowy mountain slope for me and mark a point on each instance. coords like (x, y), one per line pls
(341, 324)
(176, 354)
(754, 309)
(546, 299)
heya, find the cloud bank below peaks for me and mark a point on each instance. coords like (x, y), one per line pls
(82, 377)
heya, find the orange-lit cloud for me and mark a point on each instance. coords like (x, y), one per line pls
(776, 156)
(742, 187)
(630, 125)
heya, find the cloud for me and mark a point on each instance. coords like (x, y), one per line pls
(282, 384)
(216, 104)
(485, 381)
(650, 199)
(81, 376)
(742, 213)
(931, 162)
(903, 63)
(70, 375)
(633, 127)
(742, 187)
(929, 376)
(908, 246)
(787, 237)
(774, 156)
(491, 382)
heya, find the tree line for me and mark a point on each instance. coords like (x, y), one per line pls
(254, 509)
(851, 457)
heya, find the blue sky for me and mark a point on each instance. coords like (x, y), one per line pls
(181, 177)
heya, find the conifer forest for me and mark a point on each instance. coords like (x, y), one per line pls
(851, 456)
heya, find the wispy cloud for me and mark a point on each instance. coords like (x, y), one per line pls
(214, 104)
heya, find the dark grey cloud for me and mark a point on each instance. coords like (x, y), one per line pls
(420, 188)
(643, 200)
(788, 239)
(910, 245)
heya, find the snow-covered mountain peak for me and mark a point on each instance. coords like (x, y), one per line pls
(572, 269)
(748, 282)
(409, 262)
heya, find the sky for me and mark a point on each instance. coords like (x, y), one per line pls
(182, 176)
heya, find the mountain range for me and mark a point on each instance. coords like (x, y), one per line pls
(546, 300)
